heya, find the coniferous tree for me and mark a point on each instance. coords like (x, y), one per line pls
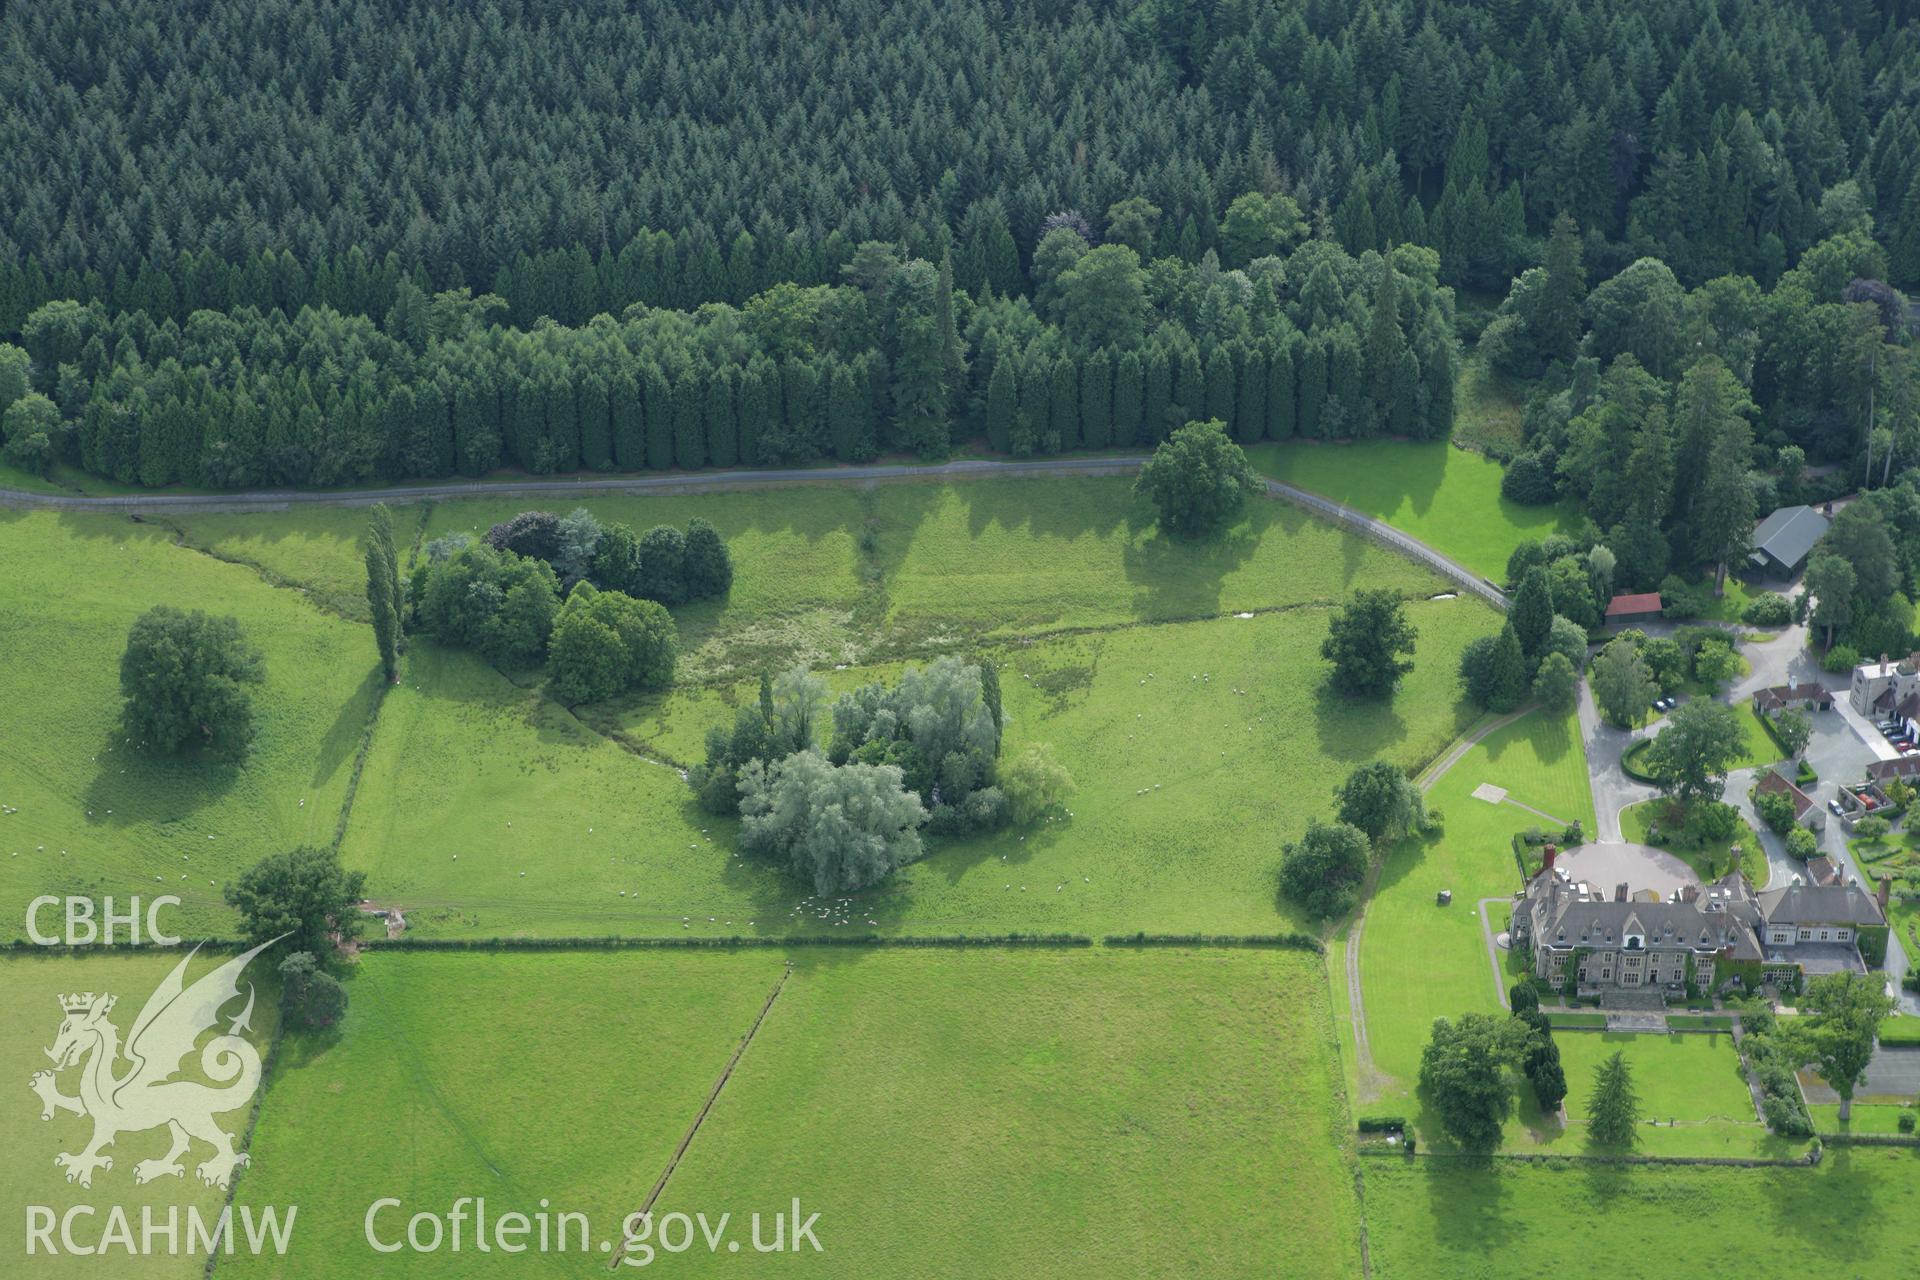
(1096, 401)
(1129, 402)
(1003, 403)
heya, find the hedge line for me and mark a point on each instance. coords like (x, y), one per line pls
(1871, 1139)
(732, 940)
(1734, 1162)
(1289, 941)
(1381, 1124)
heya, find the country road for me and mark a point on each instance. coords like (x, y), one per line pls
(694, 482)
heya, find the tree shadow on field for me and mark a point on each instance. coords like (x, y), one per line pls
(343, 736)
(133, 786)
(1354, 730)
(1180, 578)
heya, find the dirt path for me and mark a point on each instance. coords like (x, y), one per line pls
(695, 482)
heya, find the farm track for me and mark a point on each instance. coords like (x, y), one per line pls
(1121, 464)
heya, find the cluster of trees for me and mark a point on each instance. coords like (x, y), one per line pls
(508, 607)
(530, 149)
(1539, 651)
(1861, 576)
(891, 357)
(305, 898)
(1466, 1073)
(1635, 668)
(1375, 805)
(661, 564)
(186, 680)
(1676, 417)
(1540, 1063)
(925, 752)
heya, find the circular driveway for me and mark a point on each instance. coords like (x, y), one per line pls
(1638, 866)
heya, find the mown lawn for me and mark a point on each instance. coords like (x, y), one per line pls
(1447, 497)
(98, 816)
(1439, 1219)
(1420, 961)
(29, 1021)
(1689, 1077)
(1197, 749)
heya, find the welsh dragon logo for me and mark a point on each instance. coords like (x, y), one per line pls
(146, 1095)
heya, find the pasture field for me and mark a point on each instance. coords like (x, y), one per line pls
(945, 1112)
(1438, 1219)
(1419, 961)
(94, 815)
(30, 1019)
(568, 1077)
(1447, 497)
(1197, 749)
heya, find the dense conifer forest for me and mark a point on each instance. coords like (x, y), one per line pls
(329, 242)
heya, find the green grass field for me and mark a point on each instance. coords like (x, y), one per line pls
(1420, 961)
(1187, 786)
(95, 815)
(1441, 1219)
(1691, 1078)
(946, 1113)
(30, 1018)
(1447, 497)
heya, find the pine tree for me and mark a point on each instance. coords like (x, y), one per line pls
(953, 347)
(596, 424)
(689, 425)
(1557, 319)
(1063, 407)
(1281, 397)
(1128, 400)
(1217, 403)
(1310, 376)
(720, 419)
(1613, 1111)
(1250, 400)
(1507, 681)
(1003, 402)
(658, 400)
(1096, 401)
(383, 589)
(756, 404)
(1532, 616)
(849, 414)
(627, 422)
(1156, 400)
(1385, 342)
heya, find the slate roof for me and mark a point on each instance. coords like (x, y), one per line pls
(1774, 782)
(1723, 916)
(1776, 696)
(1904, 767)
(1789, 533)
(1820, 904)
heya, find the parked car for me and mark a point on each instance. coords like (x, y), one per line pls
(1839, 810)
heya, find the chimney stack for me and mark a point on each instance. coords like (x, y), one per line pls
(1547, 855)
(1885, 891)
(1620, 892)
